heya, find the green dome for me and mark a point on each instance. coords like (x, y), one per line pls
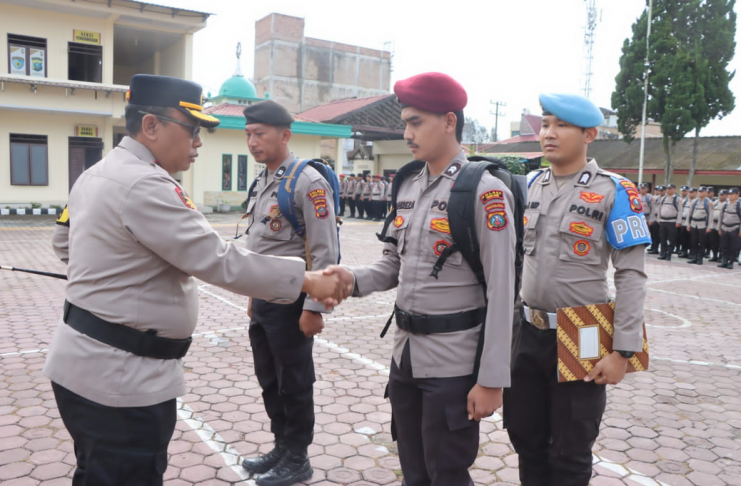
(237, 87)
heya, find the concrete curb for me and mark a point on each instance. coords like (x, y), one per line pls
(27, 211)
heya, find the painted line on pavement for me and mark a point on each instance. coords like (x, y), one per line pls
(696, 297)
(232, 458)
(625, 472)
(685, 322)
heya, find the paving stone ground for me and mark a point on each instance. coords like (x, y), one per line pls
(678, 424)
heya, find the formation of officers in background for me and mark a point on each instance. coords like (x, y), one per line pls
(694, 224)
(369, 195)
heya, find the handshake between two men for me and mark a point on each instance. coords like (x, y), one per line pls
(330, 287)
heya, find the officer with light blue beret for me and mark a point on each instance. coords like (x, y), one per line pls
(578, 219)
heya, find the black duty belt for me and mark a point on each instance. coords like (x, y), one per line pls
(699, 219)
(667, 220)
(728, 227)
(146, 344)
(440, 323)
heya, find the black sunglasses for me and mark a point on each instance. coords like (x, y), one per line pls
(194, 129)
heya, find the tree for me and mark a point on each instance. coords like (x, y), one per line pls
(712, 49)
(690, 49)
(474, 132)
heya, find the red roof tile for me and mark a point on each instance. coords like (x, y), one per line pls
(228, 109)
(534, 122)
(520, 138)
(329, 112)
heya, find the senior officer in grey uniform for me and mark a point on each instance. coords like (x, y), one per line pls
(579, 218)
(729, 228)
(133, 241)
(699, 223)
(282, 336)
(436, 400)
(670, 220)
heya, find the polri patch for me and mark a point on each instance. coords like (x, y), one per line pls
(495, 206)
(524, 220)
(490, 196)
(591, 197)
(496, 221)
(441, 225)
(275, 225)
(399, 221)
(582, 248)
(320, 207)
(317, 193)
(184, 197)
(440, 246)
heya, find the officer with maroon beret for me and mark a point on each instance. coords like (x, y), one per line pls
(437, 400)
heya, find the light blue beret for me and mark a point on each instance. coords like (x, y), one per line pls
(571, 108)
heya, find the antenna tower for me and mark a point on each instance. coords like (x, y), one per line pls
(589, 43)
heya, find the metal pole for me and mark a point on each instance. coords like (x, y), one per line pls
(645, 96)
(35, 272)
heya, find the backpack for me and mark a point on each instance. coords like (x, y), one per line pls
(286, 192)
(461, 211)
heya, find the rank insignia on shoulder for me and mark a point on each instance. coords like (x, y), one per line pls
(440, 224)
(399, 221)
(184, 197)
(453, 169)
(496, 221)
(275, 224)
(581, 228)
(491, 195)
(582, 248)
(63, 219)
(279, 173)
(591, 197)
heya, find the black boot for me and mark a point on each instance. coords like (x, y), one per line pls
(683, 254)
(264, 463)
(292, 468)
(699, 261)
(692, 260)
(730, 265)
(724, 264)
(714, 259)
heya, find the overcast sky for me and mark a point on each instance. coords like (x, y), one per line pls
(500, 50)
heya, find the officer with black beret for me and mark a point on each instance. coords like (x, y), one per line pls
(729, 226)
(714, 237)
(133, 242)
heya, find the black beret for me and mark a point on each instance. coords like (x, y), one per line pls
(702, 189)
(710, 188)
(722, 192)
(733, 190)
(671, 186)
(692, 189)
(352, 175)
(685, 188)
(661, 188)
(644, 185)
(183, 95)
(269, 113)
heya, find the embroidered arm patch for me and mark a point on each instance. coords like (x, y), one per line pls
(626, 225)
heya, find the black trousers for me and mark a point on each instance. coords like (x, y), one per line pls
(360, 205)
(684, 239)
(436, 441)
(714, 242)
(654, 231)
(117, 446)
(552, 425)
(342, 206)
(729, 244)
(284, 368)
(667, 237)
(351, 202)
(384, 209)
(699, 238)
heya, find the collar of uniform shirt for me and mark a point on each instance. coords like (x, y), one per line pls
(460, 158)
(139, 150)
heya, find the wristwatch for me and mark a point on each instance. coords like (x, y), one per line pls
(626, 354)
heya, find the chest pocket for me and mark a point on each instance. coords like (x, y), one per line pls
(276, 229)
(436, 238)
(580, 240)
(530, 222)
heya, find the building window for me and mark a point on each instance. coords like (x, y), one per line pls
(26, 55)
(29, 164)
(226, 172)
(85, 62)
(241, 172)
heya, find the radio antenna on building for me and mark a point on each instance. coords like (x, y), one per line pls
(589, 43)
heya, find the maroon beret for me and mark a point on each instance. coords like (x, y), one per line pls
(433, 92)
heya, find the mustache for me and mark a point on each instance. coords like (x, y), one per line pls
(410, 144)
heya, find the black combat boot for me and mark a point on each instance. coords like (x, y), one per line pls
(692, 260)
(663, 257)
(699, 261)
(292, 468)
(683, 254)
(724, 264)
(715, 258)
(730, 265)
(264, 463)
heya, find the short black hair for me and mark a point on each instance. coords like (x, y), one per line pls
(134, 117)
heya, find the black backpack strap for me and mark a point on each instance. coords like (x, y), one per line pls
(412, 167)
(247, 203)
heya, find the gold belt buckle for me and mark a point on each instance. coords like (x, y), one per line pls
(539, 319)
